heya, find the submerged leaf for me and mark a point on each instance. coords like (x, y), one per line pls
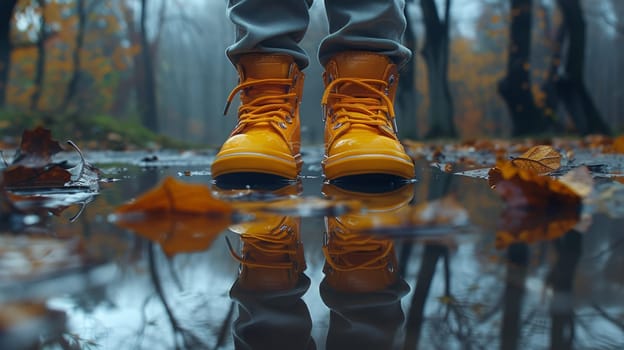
(539, 159)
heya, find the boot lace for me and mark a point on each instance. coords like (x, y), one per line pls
(272, 106)
(372, 108)
(276, 244)
(344, 244)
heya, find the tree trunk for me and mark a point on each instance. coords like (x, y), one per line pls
(436, 55)
(41, 58)
(571, 86)
(6, 13)
(406, 96)
(72, 86)
(147, 107)
(515, 87)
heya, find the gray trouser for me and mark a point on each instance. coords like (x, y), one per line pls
(277, 26)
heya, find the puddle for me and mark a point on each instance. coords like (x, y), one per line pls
(437, 263)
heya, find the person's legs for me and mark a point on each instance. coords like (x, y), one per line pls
(361, 56)
(269, 60)
(269, 27)
(365, 25)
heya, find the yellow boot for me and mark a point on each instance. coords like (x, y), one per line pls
(360, 129)
(267, 137)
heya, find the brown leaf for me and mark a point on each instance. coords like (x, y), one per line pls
(181, 217)
(37, 148)
(19, 176)
(539, 159)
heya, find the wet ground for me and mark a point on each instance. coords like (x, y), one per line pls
(433, 264)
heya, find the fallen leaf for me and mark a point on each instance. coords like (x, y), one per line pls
(179, 216)
(37, 148)
(618, 144)
(539, 159)
(32, 166)
(19, 176)
(173, 196)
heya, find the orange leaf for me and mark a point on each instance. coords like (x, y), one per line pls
(618, 144)
(177, 197)
(539, 159)
(181, 217)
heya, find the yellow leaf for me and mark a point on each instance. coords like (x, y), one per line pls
(539, 159)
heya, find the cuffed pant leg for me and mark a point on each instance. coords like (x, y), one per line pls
(264, 26)
(365, 25)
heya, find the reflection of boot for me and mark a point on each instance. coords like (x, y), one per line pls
(357, 263)
(271, 255)
(362, 286)
(267, 136)
(360, 129)
(270, 284)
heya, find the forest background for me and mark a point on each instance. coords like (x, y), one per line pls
(121, 72)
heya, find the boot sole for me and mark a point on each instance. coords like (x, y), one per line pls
(341, 165)
(251, 162)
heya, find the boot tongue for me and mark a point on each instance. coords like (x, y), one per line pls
(361, 65)
(262, 66)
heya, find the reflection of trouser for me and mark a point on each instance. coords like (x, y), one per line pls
(366, 320)
(272, 320)
(277, 26)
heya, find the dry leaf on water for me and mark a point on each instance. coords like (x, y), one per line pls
(539, 159)
(32, 166)
(37, 148)
(181, 217)
(618, 144)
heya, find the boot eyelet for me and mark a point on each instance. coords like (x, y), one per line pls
(338, 126)
(391, 79)
(282, 125)
(289, 119)
(390, 267)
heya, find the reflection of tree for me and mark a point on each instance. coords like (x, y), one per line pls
(561, 278)
(415, 316)
(180, 333)
(518, 259)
